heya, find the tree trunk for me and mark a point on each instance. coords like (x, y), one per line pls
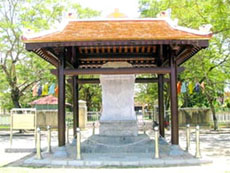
(15, 97)
(215, 123)
(88, 98)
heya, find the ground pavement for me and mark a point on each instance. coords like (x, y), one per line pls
(214, 145)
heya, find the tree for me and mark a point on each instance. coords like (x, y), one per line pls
(210, 66)
(91, 93)
(21, 69)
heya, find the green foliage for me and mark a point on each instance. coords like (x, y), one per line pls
(19, 69)
(147, 94)
(91, 93)
(210, 66)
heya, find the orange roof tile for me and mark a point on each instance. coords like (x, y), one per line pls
(49, 100)
(139, 29)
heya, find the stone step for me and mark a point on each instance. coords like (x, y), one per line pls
(117, 144)
(118, 140)
(105, 149)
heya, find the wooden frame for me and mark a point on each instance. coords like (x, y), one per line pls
(70, 59)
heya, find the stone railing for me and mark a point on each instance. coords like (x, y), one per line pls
(223, 117)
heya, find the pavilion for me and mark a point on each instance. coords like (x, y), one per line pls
(153, 46)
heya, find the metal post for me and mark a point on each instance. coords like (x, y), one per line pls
(187, 137)
(35, 137)
(156, 132)
(144, 128)
(49, 139)
(11, 128)
(198, 142)
(39, 144)
(67, 132)
(11, 137)
(78, 144)
(93, 128)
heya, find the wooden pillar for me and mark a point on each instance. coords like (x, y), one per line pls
(161, 103)
(61, 101)
(174, 102)
(75, 104)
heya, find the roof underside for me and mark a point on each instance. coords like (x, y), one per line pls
(142, 43)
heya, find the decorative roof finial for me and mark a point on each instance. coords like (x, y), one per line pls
(205, 28)
(27, 33)
(116, 14)
(71, 15)
(165, 14)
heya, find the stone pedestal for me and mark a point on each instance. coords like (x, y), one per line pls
(118, 116)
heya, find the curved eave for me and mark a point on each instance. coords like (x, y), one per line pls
(200, 43)
(118, 30)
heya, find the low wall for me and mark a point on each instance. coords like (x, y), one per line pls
(47, 118)
(223, 118)
(5, 119)
(194, 116)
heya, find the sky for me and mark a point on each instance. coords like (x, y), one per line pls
(128, 7)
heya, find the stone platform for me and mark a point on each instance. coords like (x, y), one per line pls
(101, 151)
(118, 144)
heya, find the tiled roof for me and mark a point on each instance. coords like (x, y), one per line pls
(100, 30)
(50, 100)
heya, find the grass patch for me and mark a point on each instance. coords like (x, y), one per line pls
(4, 127)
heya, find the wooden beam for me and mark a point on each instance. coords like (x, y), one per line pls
(119, 59)
(115, 55)
(97, 81)
(155, 70)
(185, 55)
(32, 46)
(61, 101)
(174, 103)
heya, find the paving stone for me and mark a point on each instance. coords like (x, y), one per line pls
(175, 150)
(30, 160)
(174, 162)
(153, 162)
(94, 163)
(130, 163)
(112, 163)
(60, 152)
(145, 162)
(42, 161)
(76, 163)
(59, 162)
(20, 150)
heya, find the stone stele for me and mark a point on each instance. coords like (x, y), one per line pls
(118, 116)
